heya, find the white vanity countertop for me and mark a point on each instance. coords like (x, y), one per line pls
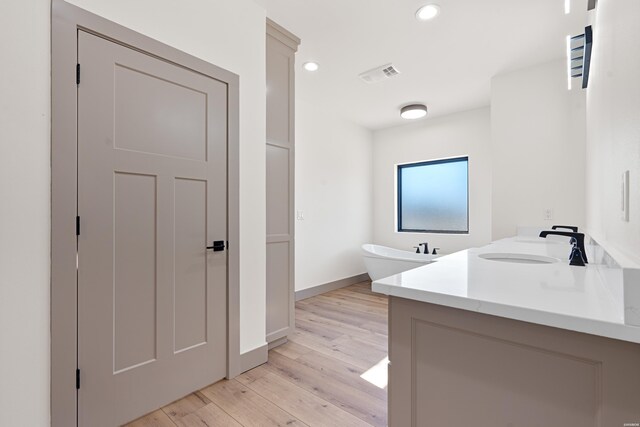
(557, 295)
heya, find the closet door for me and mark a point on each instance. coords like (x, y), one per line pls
(152, 196)
(281, 48)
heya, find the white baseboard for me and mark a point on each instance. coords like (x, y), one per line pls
(331, 286)
(253, 358)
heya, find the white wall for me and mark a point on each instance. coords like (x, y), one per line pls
(333, 189)
(24, 213)
(613, 124)
(228, 33)
(461, 134)
(538, 146)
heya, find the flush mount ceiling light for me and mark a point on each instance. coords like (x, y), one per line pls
(311, 66)
(413, 111)
(427, 12)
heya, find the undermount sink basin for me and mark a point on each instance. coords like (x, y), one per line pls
(519, 258)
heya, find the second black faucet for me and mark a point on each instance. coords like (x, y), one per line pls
(579, 241)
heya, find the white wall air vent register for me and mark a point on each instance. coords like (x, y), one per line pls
(379, 74)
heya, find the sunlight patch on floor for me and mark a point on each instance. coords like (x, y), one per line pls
(377, 374)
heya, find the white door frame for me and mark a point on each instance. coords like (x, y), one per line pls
(66, 20)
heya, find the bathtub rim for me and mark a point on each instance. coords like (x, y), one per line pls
(397, 254)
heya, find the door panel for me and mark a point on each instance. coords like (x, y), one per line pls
(278, 291)
(146, 101)
(134, 293)
(190, 284)
(152, 182)
(278, 179)
(280, 66)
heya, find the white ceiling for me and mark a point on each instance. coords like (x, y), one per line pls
(446, 63)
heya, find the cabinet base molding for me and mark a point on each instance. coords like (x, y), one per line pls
(253, 358)
(278, 342)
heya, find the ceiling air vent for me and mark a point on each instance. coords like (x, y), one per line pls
(379, 73)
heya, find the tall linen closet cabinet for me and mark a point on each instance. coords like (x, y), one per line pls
(280, 57)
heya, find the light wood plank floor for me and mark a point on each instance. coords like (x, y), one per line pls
(315, 379)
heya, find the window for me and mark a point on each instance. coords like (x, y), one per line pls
(434, 196)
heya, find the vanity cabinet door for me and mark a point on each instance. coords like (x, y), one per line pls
(453, 367)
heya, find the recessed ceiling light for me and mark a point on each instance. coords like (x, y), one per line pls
(427, 12)
(310, 66)
(413, 111)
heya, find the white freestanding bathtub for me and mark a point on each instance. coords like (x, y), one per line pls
(382, 261)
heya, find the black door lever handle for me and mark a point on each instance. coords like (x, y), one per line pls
(218, 245)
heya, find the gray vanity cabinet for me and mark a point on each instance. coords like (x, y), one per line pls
(452, 367)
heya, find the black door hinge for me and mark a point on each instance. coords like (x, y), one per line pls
(77, 226)
(77, 379)
(77, 74)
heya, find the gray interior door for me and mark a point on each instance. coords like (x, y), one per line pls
(152, 195)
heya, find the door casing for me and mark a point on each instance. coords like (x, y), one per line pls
(66, 20)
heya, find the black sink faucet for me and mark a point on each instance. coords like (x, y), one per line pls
(565, 227)
(426, 247)
(576, 257)
(578, 236)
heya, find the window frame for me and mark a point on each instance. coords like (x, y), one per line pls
(400, 167)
